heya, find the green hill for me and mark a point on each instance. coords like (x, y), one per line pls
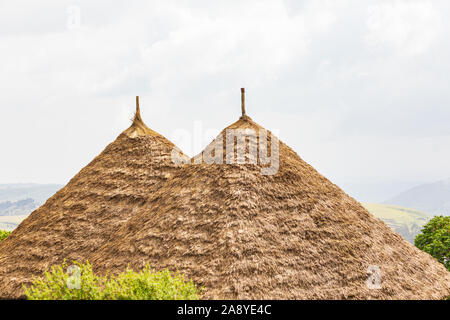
(405, 221)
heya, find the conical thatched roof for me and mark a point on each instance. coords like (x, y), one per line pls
(291, 235)
(84, 214)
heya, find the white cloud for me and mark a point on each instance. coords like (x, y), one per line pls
(410, 27)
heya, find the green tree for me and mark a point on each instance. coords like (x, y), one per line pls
(4, 234)
(79, 282)
(435, 239)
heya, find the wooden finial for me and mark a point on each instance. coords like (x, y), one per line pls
(243, 101)
(137, 115)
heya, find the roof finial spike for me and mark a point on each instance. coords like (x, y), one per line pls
(137, 105)
(243, 101)
(137, 115)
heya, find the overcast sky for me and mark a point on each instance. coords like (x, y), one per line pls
(359, 89)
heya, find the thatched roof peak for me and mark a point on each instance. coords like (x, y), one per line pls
(244, 122)
(138, 127)
(244, 119)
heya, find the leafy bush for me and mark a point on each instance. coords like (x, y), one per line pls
(435, 239)
(80, 283)
(4, 234)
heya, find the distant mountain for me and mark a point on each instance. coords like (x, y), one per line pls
(433, 198)
(17, 208)
(406, 222)
(17, 201)
(38, 192)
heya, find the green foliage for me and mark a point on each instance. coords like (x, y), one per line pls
(435, 239)
(4, 234)
(61, 283)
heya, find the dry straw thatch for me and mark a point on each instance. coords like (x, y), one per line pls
(292, 235)
(84, 214)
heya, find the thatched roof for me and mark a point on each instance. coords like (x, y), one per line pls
(84, 214)
(292, 235)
